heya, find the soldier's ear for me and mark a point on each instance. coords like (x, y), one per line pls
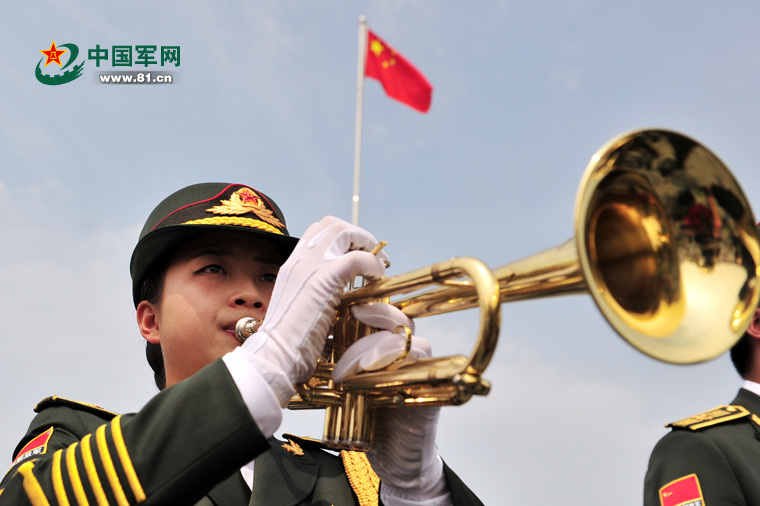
(754, 327)
(148, 321)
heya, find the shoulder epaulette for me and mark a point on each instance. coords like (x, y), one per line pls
(713, 417)
(49, 402)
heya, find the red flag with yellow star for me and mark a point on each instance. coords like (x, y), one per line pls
(399, 78)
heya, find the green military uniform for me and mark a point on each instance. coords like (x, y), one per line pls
(186, 446)
(710, 459)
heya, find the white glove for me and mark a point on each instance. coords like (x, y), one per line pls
(307, 291)
(404, 454)
(380, 349)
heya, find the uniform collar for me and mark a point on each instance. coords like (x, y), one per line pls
(281, 478)
(233, 490)
(749, 397)
(751, 386)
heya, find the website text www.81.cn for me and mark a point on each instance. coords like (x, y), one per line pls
(135, 78)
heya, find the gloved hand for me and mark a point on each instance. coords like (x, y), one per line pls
(307, 291)
(404, 454)
(380, 349)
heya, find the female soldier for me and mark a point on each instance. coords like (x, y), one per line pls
(207, 256)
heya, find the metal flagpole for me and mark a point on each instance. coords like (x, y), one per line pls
(359, 110)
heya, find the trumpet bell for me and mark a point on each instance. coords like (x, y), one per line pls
(668, 247)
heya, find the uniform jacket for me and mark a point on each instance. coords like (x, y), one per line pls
(185, 447)
(724, 459)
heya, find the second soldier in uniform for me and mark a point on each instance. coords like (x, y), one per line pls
(714, 458)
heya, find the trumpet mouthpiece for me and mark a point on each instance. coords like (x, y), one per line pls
(246, 327)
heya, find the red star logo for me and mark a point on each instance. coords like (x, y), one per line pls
(246, 195)
(53, 55)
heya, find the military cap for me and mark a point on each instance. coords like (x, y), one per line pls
(202, 208)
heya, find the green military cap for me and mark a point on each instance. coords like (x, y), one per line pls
(202, 208)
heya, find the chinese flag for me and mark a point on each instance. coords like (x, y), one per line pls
(682, 491)
(399, 78)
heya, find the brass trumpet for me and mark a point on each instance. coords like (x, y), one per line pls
(665, 243)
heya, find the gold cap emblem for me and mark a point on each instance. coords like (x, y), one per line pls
(245, 201)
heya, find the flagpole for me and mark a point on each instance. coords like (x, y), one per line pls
(359, 111)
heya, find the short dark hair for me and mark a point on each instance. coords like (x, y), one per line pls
(741, 355)
(151, 290)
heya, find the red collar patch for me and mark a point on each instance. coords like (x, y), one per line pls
(36, 446)
(683, 491)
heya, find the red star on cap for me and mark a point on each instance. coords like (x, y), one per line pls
(247, 195)
(53, 55)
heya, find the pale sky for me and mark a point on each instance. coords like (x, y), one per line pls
(524, 94)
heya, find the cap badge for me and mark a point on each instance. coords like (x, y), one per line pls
(245, 201)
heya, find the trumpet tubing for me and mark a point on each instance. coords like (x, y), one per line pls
(665, 243)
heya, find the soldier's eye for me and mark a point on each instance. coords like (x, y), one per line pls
(213, 269)
(269, 277)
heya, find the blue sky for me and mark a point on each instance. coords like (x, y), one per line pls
(524, 94)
